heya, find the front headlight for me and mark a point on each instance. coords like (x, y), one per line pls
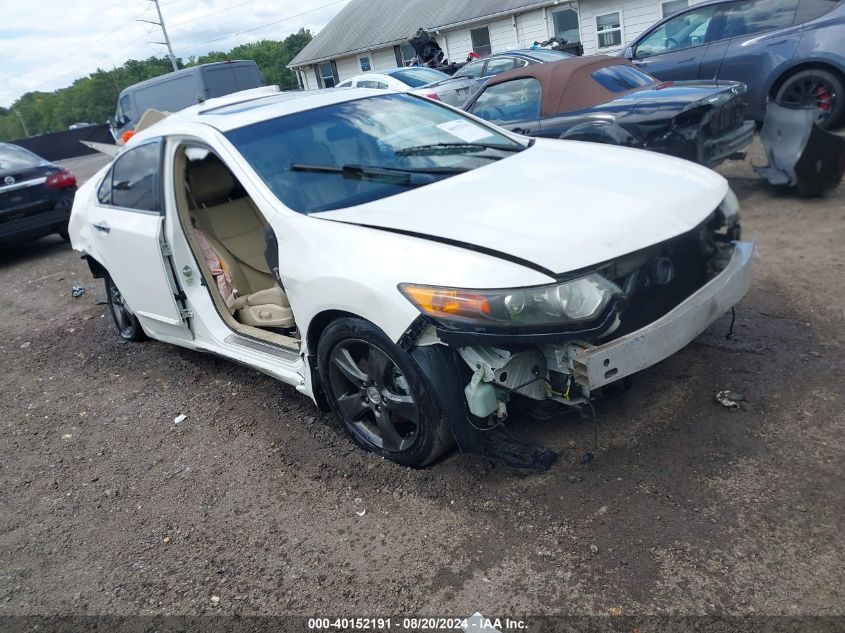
(580, 300)
(730, 207)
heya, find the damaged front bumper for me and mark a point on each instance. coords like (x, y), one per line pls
(549, 376)
(597, 366)
(569, 368)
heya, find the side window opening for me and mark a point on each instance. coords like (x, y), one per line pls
(682, 31)
(472, 70)
(812, 9)
(136, 179)
(498, 65)
(511, 101)
(230, 236)
(104, 192)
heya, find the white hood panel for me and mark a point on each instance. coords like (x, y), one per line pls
(562, 205)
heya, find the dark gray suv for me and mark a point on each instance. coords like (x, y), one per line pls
(789, 50)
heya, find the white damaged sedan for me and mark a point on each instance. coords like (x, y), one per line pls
(414, 269)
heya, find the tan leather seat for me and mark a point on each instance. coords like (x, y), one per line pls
(235, 229)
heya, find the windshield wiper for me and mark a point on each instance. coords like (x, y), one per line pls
(454, 148)
(395, 175)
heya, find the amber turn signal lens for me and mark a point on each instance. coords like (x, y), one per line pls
(447, 302)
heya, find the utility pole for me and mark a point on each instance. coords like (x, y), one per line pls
(164, 31)
(23, 123)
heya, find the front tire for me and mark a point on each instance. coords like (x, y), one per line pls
(380, 395)
(127, 324)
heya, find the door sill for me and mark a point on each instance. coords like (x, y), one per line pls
(255, 345)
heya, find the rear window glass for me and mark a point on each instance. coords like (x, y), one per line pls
(416, 77)
(621, 78)
(812, 9)
(13, 157)
(755, 16)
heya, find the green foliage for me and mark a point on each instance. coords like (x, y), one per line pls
(93, 98)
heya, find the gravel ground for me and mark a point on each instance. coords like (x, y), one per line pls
(258, 504)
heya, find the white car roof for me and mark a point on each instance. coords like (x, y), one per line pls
(252, 106)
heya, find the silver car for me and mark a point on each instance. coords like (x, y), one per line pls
(427, 82)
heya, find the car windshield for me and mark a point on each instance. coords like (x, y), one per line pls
(363, 150)
(416, 77)
(547, 55)
(13, 157)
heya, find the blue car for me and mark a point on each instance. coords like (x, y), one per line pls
(792, 51)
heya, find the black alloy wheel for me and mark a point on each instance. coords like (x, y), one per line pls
(379, 394)
(373, 395)
(815, 88)
(126, 322)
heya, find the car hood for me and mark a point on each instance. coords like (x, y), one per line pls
(560, 205)
(675, 96)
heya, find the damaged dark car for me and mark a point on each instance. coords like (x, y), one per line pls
(608, 100)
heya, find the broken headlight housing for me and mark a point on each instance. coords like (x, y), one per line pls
(730, 207)
(579, 300)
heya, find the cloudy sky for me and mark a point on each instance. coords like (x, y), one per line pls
(46, 44)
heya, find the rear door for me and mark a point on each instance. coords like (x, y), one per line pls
(759, 38)
(514, 105)
(128, 224)
(675, 49)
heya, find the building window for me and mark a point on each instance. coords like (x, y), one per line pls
(673, 6)
(365, 64)
(609, 30)
(326, 74)
(481, 41)
(405, 54)
(566, 25)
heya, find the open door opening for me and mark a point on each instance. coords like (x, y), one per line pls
(232, 242)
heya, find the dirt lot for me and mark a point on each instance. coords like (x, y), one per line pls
(257, 504)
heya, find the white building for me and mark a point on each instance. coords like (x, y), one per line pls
(373, 34)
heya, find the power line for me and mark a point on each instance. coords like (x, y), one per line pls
(99, 59)
(258, 28)
(131, 42)
(209, 14)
